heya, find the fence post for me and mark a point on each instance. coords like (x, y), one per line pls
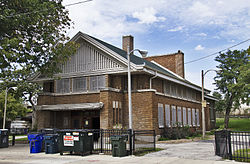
(154, 139)
(101, 131)
(130, 142)
(229, 145)
(13, 139)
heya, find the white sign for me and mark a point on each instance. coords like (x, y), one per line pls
(75, 133)
(68, 140)
(76, 138)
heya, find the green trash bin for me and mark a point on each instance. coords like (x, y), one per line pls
(119, 145)
(75, 140)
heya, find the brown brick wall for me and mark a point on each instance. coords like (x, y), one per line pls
(157, 84)
(106, 113)
(68, 99)
(141, 109)
(173, 62)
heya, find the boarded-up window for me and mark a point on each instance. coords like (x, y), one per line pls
(198, 117)
(97, 83)
(184, 116)
(80, 84)
(160, 116)
(62, 86)
(194, 117)
(173, 115)
(167, 115)
(189, 117)
(179, 116)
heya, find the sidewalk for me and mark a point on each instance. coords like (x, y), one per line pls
(19, 154)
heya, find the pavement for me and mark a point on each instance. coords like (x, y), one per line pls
(198, 150)
(19, 154)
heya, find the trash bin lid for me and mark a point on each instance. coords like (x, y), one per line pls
(36, 136)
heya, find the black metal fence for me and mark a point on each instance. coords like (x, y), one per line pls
(234, 145)
(137, 140)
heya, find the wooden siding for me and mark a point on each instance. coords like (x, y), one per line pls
(89, 58)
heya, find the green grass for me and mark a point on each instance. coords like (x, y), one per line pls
(236, 124)
(242, 154)
(144, 151)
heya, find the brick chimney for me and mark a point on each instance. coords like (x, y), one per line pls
(173, 62)
(127, 40)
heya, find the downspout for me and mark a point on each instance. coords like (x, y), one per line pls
(150, 80)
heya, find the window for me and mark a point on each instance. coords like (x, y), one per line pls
(65, 122)
(97, 83)
(179, 118)
(179, 91)
(79, 84)
(198, 117)
(173, 115)
(189, 117)
(117, 113)
(184, 116)
(194, 117)
(166, 87)
(160, 116)
(173, 90)
(62, 86)
(167, 115)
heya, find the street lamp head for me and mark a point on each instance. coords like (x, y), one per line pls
(143, 53)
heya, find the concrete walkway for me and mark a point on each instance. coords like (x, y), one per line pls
(198, 150)
(19, 154)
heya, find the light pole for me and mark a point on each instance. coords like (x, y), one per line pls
(203, 102)
(5, 105)
(144, 54)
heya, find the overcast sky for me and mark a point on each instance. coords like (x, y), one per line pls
(196, 27)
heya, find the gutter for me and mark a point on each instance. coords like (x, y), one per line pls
(151, 78)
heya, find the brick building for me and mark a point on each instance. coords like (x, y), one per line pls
(92, 90)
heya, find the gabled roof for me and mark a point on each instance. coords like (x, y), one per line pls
(140, 61)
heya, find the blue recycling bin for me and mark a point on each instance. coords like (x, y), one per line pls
(51, 143)
(35, 142)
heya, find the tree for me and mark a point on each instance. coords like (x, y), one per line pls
(32, 39)
(220, 104)
(233, 79)
(15, 107)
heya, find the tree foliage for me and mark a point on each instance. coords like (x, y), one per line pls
(220, 103)
(15, 106)
(32, 39)
(233, 79)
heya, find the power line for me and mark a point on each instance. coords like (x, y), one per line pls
(216, 52)
(27, 13)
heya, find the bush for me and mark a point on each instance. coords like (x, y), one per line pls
(179, 132)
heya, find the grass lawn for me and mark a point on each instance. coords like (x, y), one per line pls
(236, 124)
(242, 155)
